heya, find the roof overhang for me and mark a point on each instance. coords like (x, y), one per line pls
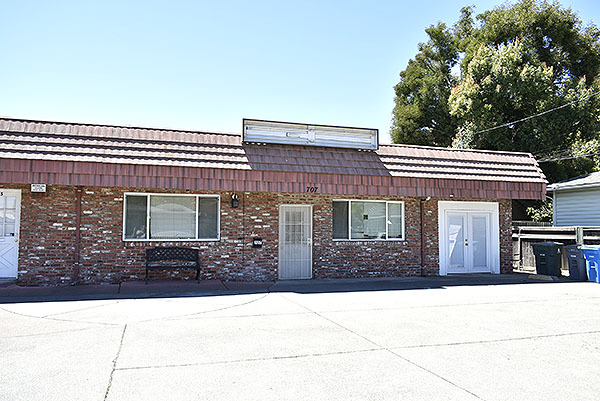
(557, 187)
(93, 155)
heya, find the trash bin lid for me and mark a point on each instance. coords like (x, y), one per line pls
(574, 251)
(591, 251)
(552, 247)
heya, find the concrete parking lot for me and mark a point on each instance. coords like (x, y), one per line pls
(491, 338)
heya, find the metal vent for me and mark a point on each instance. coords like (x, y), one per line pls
(261, 131)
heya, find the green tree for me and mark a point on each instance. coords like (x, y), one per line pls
(541, 212)
(510, 83)
(555, 35)
(515, 61)
(421, 115)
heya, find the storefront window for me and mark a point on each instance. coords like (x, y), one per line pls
(171, 217)
(368, 220)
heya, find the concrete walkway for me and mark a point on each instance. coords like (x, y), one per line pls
(138, 289)
(507, 337)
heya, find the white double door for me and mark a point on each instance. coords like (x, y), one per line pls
(295, 241)
(10, 206)
(468, 242)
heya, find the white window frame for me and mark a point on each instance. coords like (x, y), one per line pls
(386, 220)
(148, 239)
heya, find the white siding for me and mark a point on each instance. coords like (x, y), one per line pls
(578, 207)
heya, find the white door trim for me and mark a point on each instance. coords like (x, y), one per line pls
(466, 206)
(280, 236)
(17, 236)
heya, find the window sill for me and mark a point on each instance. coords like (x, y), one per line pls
(170, 240)
(368, 240)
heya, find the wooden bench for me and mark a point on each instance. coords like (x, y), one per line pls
(172, 254)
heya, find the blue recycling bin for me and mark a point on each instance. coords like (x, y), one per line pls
(592, 261)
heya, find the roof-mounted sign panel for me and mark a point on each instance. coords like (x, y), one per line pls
(261, 131)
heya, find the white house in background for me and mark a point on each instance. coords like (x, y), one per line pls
(577, 201)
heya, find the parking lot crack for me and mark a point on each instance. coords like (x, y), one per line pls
(56, 319)
(499, 340)
(272, 358)
(47, 333)
(381, 347)
(204, 312)
(114, 365)
(79, 310)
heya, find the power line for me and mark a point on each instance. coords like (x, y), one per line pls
(559, 152)
(554, 159)
(538, 115)
(552, 150)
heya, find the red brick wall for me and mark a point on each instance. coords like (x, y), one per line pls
(506, 246)
(47, 236)
(47, 247)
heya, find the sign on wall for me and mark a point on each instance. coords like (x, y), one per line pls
(38, 188)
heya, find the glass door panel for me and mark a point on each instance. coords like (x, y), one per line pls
(456, 242)
(479, 241)
(468, 242)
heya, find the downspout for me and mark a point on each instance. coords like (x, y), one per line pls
(422, 209)
(243, 229)
(554, 208)
(76, 256)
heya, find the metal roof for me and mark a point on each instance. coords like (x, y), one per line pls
(87, 154)
(581, 182)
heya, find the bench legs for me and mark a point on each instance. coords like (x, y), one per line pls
(197, 275)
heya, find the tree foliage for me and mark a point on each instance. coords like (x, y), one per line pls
(510, 83)
(542, 211)
(555, 35)
(515, 61)
(421, 114)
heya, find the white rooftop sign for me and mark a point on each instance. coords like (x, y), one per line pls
(260, 131)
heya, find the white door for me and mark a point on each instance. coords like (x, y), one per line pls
(10, 206)
(468, 242)
(295, 241)
(456, 223)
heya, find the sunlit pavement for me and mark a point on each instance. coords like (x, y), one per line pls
(490, 338)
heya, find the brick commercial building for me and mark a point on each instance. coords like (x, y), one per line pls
(81, 203)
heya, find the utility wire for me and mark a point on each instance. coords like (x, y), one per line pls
(566, 153)
(554, 159)
(552, 151)
(538, 115)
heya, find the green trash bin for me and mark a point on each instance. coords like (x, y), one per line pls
(548, 258)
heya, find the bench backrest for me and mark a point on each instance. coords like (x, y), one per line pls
(171, 253)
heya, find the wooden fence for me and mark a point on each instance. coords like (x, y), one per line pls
(524, 236)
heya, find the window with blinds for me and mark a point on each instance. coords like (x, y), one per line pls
(368, 220)
(171, 217)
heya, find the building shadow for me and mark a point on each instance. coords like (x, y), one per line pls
(216, 288)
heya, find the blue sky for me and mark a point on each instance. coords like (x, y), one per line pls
(206, 65)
